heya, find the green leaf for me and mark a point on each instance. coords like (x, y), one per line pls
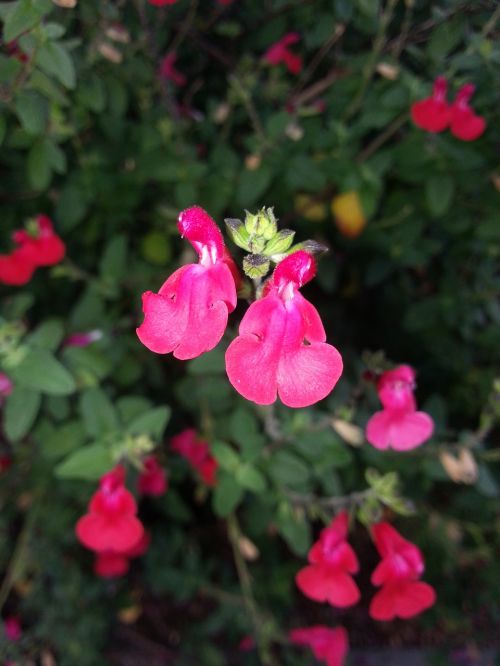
(20, 411)
(250, 478)
(54, 59)
(288, 469)
(211, 363)
(439, 192)
(88, 463)
(24, 15)
(47, 335)
(131, 406)
(227, 495)
(296, 532)
(55, 443)
(3, 129)
(9, 69)
(39, 370)
(88, 360)
(39, 165)
(227, 458)
(253, 184)
(113, 264)
(152, 422)
(32, 111)
(98, 412)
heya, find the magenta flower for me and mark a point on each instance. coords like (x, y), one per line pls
(280, 53)
(401, 594)
(332, 561)
(465, 124)
(6, 385)
(398, 425)
(328, 645)
(153, 478)
(12, 628)
(83, 339)
(281, 349)
(188, 316)
(169, 72)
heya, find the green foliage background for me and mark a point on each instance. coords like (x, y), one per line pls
(93, 137)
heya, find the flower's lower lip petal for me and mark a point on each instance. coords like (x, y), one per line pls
(308, 374)
(251, 367)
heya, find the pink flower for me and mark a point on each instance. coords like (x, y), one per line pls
(281, 349)
(402, 594)
(246, 644)
(332, 562)
(433, 113)
(83, 339)
(398, 425)
(12, 628)
(189, 314)
(465, 124)
(153, 478)
(279, 52)
(328, 645)
(111, 523)
(6, 385)
(197, 452)
(169, 72)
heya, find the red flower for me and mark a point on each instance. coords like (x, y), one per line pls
(16, 268)
(433, 113)
(189, 314)
(398, 425)
(279, 52)
(111, 523)
(43, 246)
(110, 564)
(153, 478)
(169, 72)
(38, 247)
(197, 452)
(162, 3)
(281, 347)
(12, 628)
(402, 594)
(332, 562)
(465, 124)
(328, 645)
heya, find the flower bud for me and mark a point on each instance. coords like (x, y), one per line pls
(262, 223)
(279, 243)
(238, 233)
(255, 266)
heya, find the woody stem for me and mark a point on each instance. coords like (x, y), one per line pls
(234, 533)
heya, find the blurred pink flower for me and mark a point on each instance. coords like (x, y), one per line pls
(280, 53)
(169, 72)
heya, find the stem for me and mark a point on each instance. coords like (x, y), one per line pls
(342, 502)
(381, 138)
(247, 102)
(17, 561)
(369, 68)
(234, 533)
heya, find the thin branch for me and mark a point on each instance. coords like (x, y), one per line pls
(381, 138)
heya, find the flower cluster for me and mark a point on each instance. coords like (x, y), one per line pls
(332, 561)
(38, 246)
(434, 114)
(399, 425)
(197, 452)
(111, 527)
(280, 350)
